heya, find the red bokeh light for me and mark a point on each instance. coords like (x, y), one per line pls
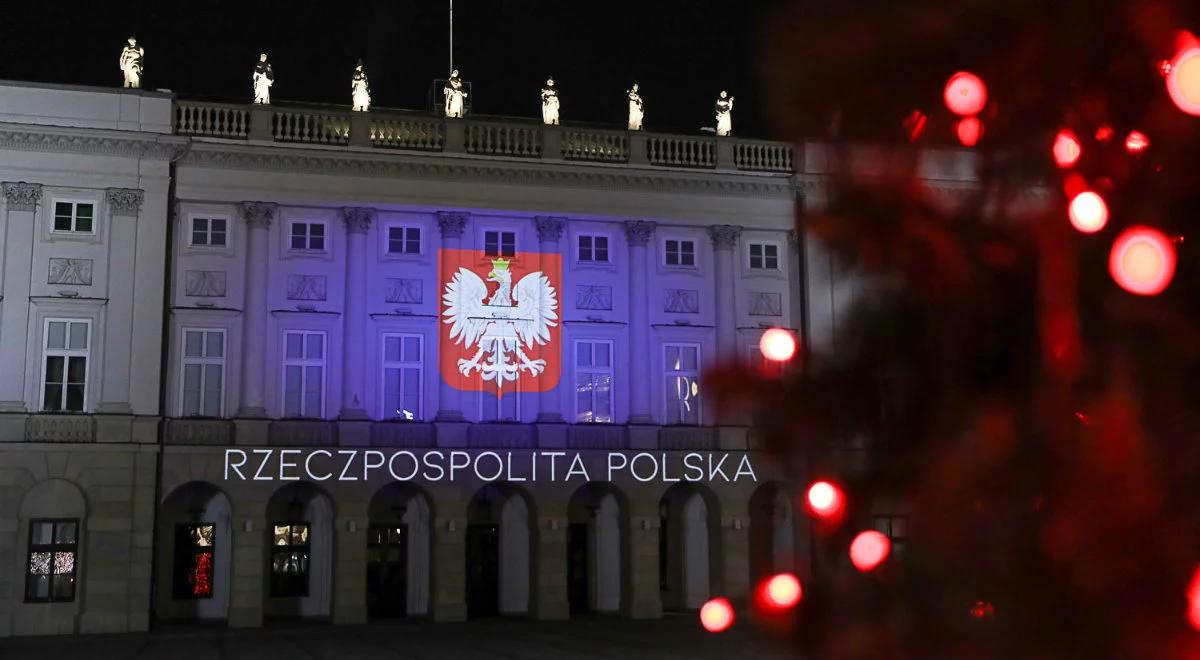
(1088, 212)
(914, 123)
(1104, 133)
(716, 615)
(777, 345)
(825, 500)
(969, 130)
(868, 550)
(1193, 597)
(965, 94)
(1183, 80)
(1136, 142)
(982, 609)
(1142, 261)
(1066, 148)
(782, 591)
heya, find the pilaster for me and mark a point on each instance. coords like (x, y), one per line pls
(724, 240)
(452, 224)
(551, 603)
(124, 205)
(258, 217)
(550, 231)
(354, 373)
(639, 234)
(20, 217)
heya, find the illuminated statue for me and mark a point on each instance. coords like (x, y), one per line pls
(636, 108)
(263, 78)
(455, 95)
(724, 114)
(360, 90)
(130, 63)
(550, 103)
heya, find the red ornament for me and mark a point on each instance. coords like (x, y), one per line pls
(1066, 148)
(965, 94)
(969, 130)
(1088, 212)
(868, 550)
(716, 615)
(1142, 261)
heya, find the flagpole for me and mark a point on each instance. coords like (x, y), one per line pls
(451, 35)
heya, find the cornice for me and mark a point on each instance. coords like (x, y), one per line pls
(23, 137)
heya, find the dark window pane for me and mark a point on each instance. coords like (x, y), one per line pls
(200, 225)
(83, 211)
(76, 369)
(218, 224)
(41, 533)
(298, 242)
(62, 223)
(316, 229)
(199, 238)
(54, 368)
(53, 398)
(64, 587)
(75, 398)
(64, 532)
(217, 238)
(62, 208)
(83, 224)
(37, 587)
(316, 243)
(299, 229)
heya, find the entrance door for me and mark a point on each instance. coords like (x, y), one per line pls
(387, 570)
(483, 570)
(577, 568)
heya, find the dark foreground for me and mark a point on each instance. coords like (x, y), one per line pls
(671, 637)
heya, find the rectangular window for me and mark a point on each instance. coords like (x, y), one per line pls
(304, 374)
(209, 232)
(194, 567)
(764, 256)
(402, 376)
(53, 548)
(203, 373)
(75, 217)
(896, 529)
(682, 378)
(499, 243)
(680, 252)
(404, 240)
(289, 559)
(65, 360)
(593, 381)
(308, 236)
(593, 248)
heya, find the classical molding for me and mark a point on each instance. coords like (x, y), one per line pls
(125, 201)
(259, 214)
(92, 141)
(639, 232)
(452, 223)
(357, 219)
(21, 196)
(724, 237)
(549, 228)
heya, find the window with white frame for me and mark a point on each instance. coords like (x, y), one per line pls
(681, 370)
(65, 361)
(499, 243)
(404, 240)
(593, 381)
(764, 256)
(304, 374)
(203, 372)
(402, 376)
(308, 236)
(75, 217)
(593, 248)
(679, 252)
(209, 232)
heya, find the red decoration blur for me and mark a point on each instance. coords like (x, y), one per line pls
(1183, 80)
(202, 574)
(716, 615)
(825, 500)
(1066, 148)
(777, 345)
(969, 130)
(982, 609)
(965, 94)
(1088, 212)
(1142, 261)
(781, 592)
(1104, 133)
(1193, 597)
(1136, 142)
(868, 550)
(914, 124)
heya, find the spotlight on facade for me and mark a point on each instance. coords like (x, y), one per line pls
(716, 615)
(965, 94)
(782, 591)
(825, 500)
(868, 550)
(1088, 212)
(777, 345)
(1142, 261)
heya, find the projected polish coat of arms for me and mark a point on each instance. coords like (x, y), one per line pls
(501, 331)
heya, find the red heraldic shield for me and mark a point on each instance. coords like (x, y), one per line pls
(501, 326)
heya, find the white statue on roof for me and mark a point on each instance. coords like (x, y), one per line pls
(263, 78)
(360, 90)
(636, 108)
(550, 103)
(130, 63)
(724, 114)
(455, 95)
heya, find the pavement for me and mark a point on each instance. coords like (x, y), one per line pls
(674, 637)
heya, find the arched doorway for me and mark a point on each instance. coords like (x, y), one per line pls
(597, 554)
(500, 542)
(299, 557)
(52, 560)
(194, 552)
(398, 552)
(689, 546)
(772, 532)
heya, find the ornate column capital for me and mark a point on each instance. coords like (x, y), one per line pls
(259, 214)
(639, 232)
(452, 223)
(724, 237)
(549, 228)
(357, 219)
(125, 201)
(22, 196)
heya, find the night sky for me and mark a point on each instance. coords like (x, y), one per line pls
(681, 52)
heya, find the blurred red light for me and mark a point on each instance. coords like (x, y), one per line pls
(965, 94)
(1193, 596)
(983, 610)
(716, 615)
(1088, 212)
(914, 123)
(1104, 133)
(1136, 142)
(782, 591)
(825, 500)
(1142, 261)
(777, 345)
(868, 550)
(1183, 80)
(1066, 148)
(969, 130)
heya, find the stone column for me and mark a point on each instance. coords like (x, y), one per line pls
(123, 206)
(735, 550)
(645, 599)
(550, 231)
(551, 603)
(354, 314)
(350, 560)
(21, 201)
(258, 217)
(449, 561)
(639, 233)
(724, 239)
(451, 225)
(247, 570)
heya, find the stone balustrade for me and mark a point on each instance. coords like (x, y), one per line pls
(212, 119)
(60, 428)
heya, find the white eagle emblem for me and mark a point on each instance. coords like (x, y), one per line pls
(509, 322)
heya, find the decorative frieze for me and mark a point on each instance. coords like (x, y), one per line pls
(724, 237)
(21, 196)
(204, 283)
(403, 290)
(452, 223)
(639, 232)
(357, 219)
(259, 214)
(593, 296)
(70, 271)
(681, 301)
(764, 303)
(306, 287)
(125, 201)
(549, 228)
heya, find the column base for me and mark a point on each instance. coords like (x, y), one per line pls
(642, 419)
(354, 432)
(451, 434)
(251, 412)
(551, 436)
(550, 418)
(355, 414)
(449, 416)
(12, 407)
